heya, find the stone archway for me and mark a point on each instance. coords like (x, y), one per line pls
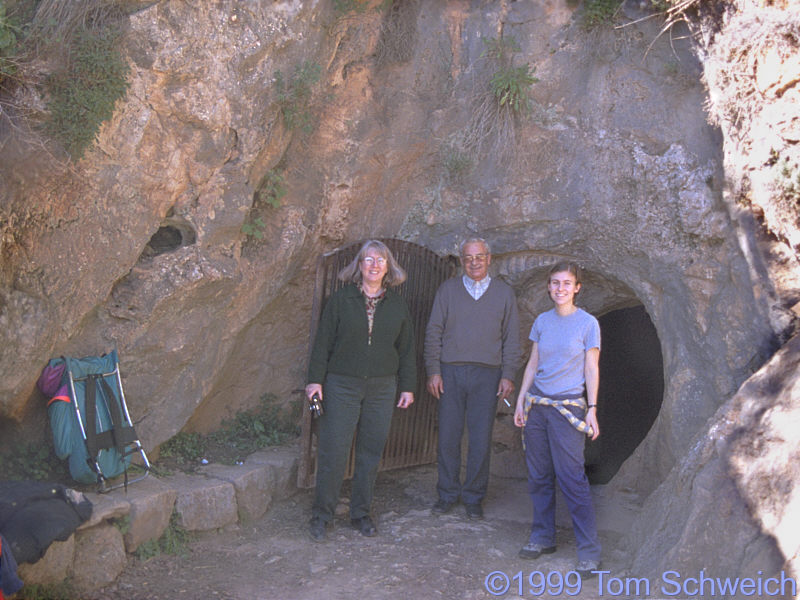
(631, 369)
(631, 389)
(680, 354)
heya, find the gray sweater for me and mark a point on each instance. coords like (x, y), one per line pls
(462, 330)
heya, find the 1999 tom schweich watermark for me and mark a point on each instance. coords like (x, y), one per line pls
(671, 584)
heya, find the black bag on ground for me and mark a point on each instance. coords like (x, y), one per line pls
(34, 514)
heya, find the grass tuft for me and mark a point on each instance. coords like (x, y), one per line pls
(294, 95)
(248, 431)
(83, 96)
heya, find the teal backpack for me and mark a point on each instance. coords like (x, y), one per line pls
(89, 418)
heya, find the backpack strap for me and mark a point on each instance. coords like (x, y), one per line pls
(90, 410)
(119, 436)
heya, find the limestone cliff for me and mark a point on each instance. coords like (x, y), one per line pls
(139, 245)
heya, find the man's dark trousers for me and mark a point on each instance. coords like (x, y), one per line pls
(365, 404)
(470, 396)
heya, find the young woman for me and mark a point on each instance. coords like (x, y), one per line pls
(363, 354)
(557, 407)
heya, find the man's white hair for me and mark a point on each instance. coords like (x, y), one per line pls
(474, 240)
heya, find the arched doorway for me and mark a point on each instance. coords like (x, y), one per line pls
(412, 438)
(631, 389)
(631, 363)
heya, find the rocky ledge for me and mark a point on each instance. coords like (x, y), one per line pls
(122, 520)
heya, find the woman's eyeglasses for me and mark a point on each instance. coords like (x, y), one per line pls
(370, 261)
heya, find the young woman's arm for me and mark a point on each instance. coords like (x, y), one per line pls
(591, 372)
(527, 380)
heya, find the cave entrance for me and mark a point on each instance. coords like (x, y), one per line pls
(631, 389)
(412, 437)
(631, 363)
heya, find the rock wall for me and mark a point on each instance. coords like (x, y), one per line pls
(741, 469)
(615, 166)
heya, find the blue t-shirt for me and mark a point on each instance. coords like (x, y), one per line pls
(562, 344)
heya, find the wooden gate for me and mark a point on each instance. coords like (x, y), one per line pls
(412, 437)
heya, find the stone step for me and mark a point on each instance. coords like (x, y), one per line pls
(122, 520)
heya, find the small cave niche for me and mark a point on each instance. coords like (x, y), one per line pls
(631, 389)
(171, 235)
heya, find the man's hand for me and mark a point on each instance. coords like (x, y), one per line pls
(406, 399)
(505, 389)
(435, 386)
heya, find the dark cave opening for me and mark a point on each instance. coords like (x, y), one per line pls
(169, 237)
(631, 389)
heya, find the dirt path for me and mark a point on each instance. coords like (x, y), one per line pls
(415, 555)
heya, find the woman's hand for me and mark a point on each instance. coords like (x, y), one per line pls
(313, 388)
(406, 399)
(519, 414)
(591, 421)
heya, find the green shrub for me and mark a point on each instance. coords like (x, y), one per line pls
(456, 162)
(8, 44)
(499, 104)
(294, 95)
(660, 6)
(501, 49)
(174, 541)
(184, 447)
(343, 7)
(271, 188)
(52, 591)
(32, 461)
(510, 86)
(599, 12)
(83, 96)
(254, 228)
(788, 181)
(265, 425)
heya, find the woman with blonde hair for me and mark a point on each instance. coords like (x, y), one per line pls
(363, 354)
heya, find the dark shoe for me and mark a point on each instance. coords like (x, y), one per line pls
(442, 507)
(587, 568)
(316, 529)
(532, 551)
(364, 525)
(474, 512)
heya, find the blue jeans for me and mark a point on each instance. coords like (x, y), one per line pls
(361, 405)
(554, 452)
(470, 396)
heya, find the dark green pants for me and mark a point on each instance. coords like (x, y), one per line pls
(352, 404)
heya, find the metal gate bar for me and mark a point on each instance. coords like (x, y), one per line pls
(412, 436)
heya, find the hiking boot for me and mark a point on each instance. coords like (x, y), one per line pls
(442, 507)
(474, 512)
(364, 525)
(587, 568)
(533, 551)
(316, 529)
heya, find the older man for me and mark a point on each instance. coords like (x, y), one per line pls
(472, 353)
